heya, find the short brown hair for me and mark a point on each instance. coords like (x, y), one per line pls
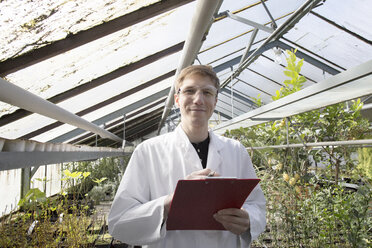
(203, 70)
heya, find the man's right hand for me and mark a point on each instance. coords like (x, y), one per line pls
(202, 174)
(167, 203)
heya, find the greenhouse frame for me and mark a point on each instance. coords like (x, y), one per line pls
(85, 80)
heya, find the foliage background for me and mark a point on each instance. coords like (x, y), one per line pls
(309, 203)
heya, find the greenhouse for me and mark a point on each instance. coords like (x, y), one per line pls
(87, 86)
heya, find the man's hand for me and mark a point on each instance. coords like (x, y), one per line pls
(167, 203)
(234, 220)
(202, 174)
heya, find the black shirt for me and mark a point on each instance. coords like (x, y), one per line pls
(202, 150)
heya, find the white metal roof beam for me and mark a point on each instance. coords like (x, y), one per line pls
(16, 160)
(273, 23)
(362, 143)
(249, 22)
(19, 153)
(17, 96)
(248, 47)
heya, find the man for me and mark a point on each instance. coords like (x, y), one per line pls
(139, 211)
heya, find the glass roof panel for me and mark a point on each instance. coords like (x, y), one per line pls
(249, 89)
(353, 15)
(330, 42)
(227, 28)
(233, 5)
(121, 84)
(104, 55)
(35, 23)
(235, 47)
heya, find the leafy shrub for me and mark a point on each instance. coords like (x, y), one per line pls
(308, 204)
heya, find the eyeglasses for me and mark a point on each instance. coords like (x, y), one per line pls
(191, 92)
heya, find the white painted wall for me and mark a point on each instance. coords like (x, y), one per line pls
(10, 185)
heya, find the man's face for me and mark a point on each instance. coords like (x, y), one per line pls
(196, 99)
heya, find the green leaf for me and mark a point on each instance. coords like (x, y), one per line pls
(299, 65)
(33, 195)
(290, 66)
(291, 74)
(67, 173)
(86, 174)
(258, 100)
(96, 180)
(76, 174)
(302, 80)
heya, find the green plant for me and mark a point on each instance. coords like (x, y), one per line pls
(13, 229)
(365, 162)
(75, 183)
(296, 81)
(65, 220)
(33, 201)
(32, 197)
(109, 168)
(101, 193)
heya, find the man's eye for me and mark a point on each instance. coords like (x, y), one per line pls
(208, 93)
(189, 91)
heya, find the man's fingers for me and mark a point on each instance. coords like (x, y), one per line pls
(234, 228)
(234, 211)
(234, 220)
(201, 174)
(205, 172)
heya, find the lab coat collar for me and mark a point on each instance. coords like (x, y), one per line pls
(215, 158)
(183, 140)
(215, 141)
(214, 155)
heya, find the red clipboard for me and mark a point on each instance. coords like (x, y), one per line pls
(195, 201)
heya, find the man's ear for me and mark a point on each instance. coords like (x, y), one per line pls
(176, 100)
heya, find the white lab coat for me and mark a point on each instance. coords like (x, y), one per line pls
(156, 165)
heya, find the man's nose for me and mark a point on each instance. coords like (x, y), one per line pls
(198, 97)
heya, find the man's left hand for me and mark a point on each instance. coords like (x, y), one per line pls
(233, 219)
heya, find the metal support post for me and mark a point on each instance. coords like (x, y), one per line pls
(248, 47)
(273, 23)
(232, 94)
(124, 118)
(46, 178)
(249, 22)
(25, 181)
